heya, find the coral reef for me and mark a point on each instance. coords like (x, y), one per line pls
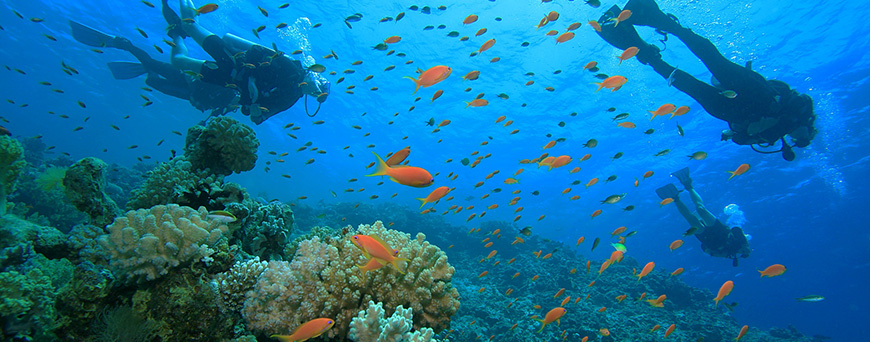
(323, 281)
(189, 187)
(11, 163)
(371, 326)
(233, 284)
(84, 186)
(146, 243)
(266, 229)
(224, 146)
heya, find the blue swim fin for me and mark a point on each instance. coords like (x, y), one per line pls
(89, 36)
(126, 70)
(683, 176)
(668, 191)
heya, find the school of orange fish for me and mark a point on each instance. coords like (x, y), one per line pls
(378, 253)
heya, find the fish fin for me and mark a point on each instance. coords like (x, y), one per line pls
(600, 85)
(397, 266)
(380, 241)
(417, 82)
(422, 200)
(126, 70)
(732, 174)
(381, 168)
(762, 273)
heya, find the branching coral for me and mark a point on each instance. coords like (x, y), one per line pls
(146, 243)
(323, 280)
(224, 145)
(371, 326)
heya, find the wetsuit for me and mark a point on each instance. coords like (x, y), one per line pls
(262, 78)
(720, 241)
(763, 110)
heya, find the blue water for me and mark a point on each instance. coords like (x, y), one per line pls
(810, 215)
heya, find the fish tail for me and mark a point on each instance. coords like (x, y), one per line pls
(381, 168)
(600, 85)
(415, 82)
(397, 266)
(467, 104)
(363, 270)
(762, 273)
(422, 200)
(282, 338)
(732, 174)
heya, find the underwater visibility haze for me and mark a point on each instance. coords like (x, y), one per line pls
(131, 215)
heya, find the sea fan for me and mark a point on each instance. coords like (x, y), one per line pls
(51, 178)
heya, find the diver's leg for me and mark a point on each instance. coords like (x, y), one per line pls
(687, 214)
(180, 59)
(191, 27)
(169, 86)
(705, 215)
(707, 95)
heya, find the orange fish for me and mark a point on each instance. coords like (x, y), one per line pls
(595, 25)
(482, 274)
(405, 175)
(431, 76)
(724, 291)
(680, 111)
(646, 270)
(655, 327)
(575, 170)
(207, 8)
(586, 157)
(670, 329)
(553, 16)
(471, 75)
(566, 300)
(590, 65)
(543, 22)
(486, 45)
(623, 16)
(742, 332)
(620, 298)
(592, 182)
(552, 33)
(477, 103)
(580, 240)
(435, 195)
(596, 213)
(559, 293)
(665, 202)
(603, 308)
(480, 32)
(627, 54)
(612, 82)
(677, 272)
(309, 330)
(500, 119)
(648, 174)
(676, 244)
(604, 332)
(665, 109)
(616, 256)
(398, 157)
(436, 95)
(573, 26)
(740, 170)
(444, 123)
(554, 315)
(470, 19)
(618, 231)
(626, 124)
(658, 302)
(373, 247)
(772, 271)
(392, 39)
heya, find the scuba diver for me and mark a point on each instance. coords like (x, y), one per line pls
(715, 237)
(161, 76)
(758, 111)
(268, 81)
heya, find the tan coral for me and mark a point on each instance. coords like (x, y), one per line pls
(323, 280)
(146, 243)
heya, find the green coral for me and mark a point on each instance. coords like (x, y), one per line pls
(27, 300)
(85, 185)
(51, 178)
(224, 145)
(168, 183)
(11, 163)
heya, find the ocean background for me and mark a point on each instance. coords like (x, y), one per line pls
(810, 215)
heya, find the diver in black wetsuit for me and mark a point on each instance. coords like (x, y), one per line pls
(268, 81)
(160, 76)
(758, 111)
(716, 238)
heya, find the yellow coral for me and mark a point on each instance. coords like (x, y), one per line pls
(51, 178)
(323, 280)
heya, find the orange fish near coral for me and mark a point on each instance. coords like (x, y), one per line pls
(724, 291)
(435, 195)
(676, 244)
(405, 175)
(742, 332)
(646, 270)
(612, 82)
(772, 271)
(677, 272)
(658, 302)
(554, 315)
(670, 329)
(309, 330)
(740, 170)
(431, 76)
(373, 247)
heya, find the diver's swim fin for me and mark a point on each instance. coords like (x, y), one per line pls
(126, 70)
(89, 36)
(683, 176)
(174, 22)
(668, 191)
